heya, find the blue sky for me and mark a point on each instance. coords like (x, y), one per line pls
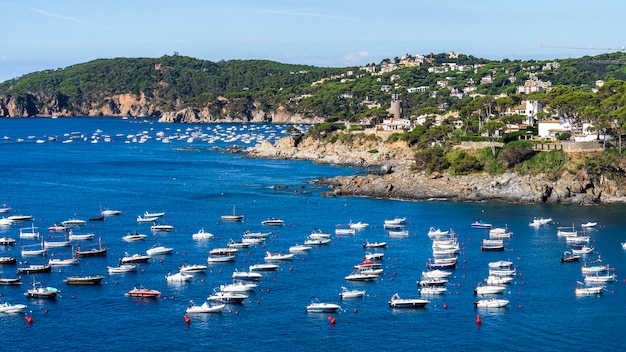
(50, 34)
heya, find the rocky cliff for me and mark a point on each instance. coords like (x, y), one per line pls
(398, 181)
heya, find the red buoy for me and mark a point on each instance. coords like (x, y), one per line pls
(445, 306)
(28, 319)
(478, 320)
(187, 319)
(332, 320)
(356, 310)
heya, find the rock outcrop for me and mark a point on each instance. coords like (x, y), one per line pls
(403, 183)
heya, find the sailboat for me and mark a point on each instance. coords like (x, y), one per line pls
(233, 217)
(91, 252)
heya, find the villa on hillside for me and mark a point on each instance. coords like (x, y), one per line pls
(394, 124)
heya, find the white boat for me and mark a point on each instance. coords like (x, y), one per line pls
(583, 250)
(589, 224)
(395, 221)
(261, 235)
(344, 231)
(432, 290)
(146, 219)
(358, 225)
(238, 287)
(432, 232)
(202, 235)
(234, 244)
(204, 308)
(8, 308)
(56, 244)
(220, 258)
(62, 262)
(491, 303)
(593, 269)
(161, 228)
(347, 293)
(263, 267)
(5, 222)
(499, 233)
(537, 222)
(597, 277)
(110, 212)
(273, 222)
(153, 215)
(435, 274)
(299, 248)
(309, 241)
(7, 241)
(269, 256)
(178, 277)
(369, 244)
(582, 290)
(396, 302)
(33, 250)
(80, 237)
(564, 231)
(624, 245)
(321, 307)
(498, 280)
(402, 233)
(369, 256)
(502, 272)
(478, 224)
(319, 234)
(20, 217)
(359, 275)
(246, 275)
(192, 268)
(132, 237)
(500, 264)
(122, 268)
(57, 228)
(39, 291)
(73, 222)
(159, 250)
(492, 245)
(29, 232)
(232, 217)
(134, 258)
(227, 297)
(489, 289)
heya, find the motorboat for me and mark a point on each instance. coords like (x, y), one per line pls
(269, 256)
(319, 234)
(20, 217)
(581, 239)
(589, 224)
(426, 282)
(80, 237)
(499, 233)
(433, 233)
(491, 303)
(57, 244)
(33, 250)
(232, 217)
(441, 263)
(238, 287)
(395, 221)
(310, 241)
(91, 251)
(73, 222)
(227, 297)
(432, 290)
(583, 250)
(178, 277)
(624, 245)
(7, 241)
(11, 280)
(502, 272)
(57, 228)
(368, 244)
(396, 302)
(273, 222)
(316, 306)
(566, 231)
(299, 248)
(261, 235)
(538, 222)
(347, 293)
(500, 264)
(358, 225)
(4, 222)
(96, 218)
(133, 237)
(223, 251)
(202, 235)
(478, 224)
(34, 269)
(359, 275)
(159, 250)
(598, 277)
(437, 273)
(263, 267)
(84, 280)
(63, 262)
(489, 289)
(148, 214)
(492, 245)
(246, 275)
(39, 291)
(205, 307)
(344, 230)
(396, 233)
(498, 280)
(593, 269)
(220, 258)
(569, 257)
(237, 244)
(372, 256)
(134, 258)
(8, 308)
(140, 291)
(122, 268)
(141, 219)
(192, 268)
(110, 212)
(161, 228)
(582, 290)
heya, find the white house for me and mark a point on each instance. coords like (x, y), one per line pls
(550, 128)
(394, 124)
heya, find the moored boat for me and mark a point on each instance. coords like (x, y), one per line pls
(8, 308)
(491, 303)
(140, 291)
(316, 306)
(347, 293)
(205, 307)
(396, 302)
(84, 280)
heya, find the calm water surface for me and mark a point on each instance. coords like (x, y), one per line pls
(194, 184)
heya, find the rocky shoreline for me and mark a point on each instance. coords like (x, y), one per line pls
(398, 181)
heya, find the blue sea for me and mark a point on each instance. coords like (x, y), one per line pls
(194, 181)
